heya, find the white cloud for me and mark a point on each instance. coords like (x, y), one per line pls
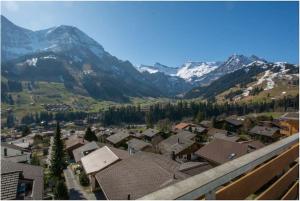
(11, 6)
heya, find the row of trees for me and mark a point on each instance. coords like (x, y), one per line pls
(196, 110)
(156, 112)
(48, 116)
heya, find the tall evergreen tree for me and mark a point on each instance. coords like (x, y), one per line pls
(90, 135)
(149, 120)
(58, 155)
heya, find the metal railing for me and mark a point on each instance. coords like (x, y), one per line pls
(209, 181)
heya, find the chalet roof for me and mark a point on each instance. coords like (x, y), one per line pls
(79, 152)
(199, 129)
(220, 151)
(234, 122)
(222, 134)
(181, 125)
(98, 160)
(118, 137)
(263, 130)
(138, 145)
(73, 141)
(17, 158)
(9, 176)
(177, 143)
(138, 175)
(206, 123)
(150, 132)
(213, 131)
(12, 146)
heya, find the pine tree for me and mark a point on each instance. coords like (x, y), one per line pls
(58, 155)
(199, 117)
(149, 120)
(90, 135)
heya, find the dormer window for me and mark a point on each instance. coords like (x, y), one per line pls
(5, 152)
(231, 156)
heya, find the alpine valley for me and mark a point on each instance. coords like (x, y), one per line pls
(63, 64)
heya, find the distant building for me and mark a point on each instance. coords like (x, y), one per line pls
(289, 123)
(232, 124)
(15, 153)
(182, 145)
(183, 126)
(136, 145)
(118, 139)
(73, 143)
(21, 181)
(215, 133)
(266, 134)
(153, 136)
(206, 124)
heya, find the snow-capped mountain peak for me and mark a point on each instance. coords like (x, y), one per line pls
(193, 71)
(158, 67)
(61, 38)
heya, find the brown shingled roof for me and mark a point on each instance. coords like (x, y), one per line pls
(138, 175)
(220, 151)
(74, 141)
(181, 125)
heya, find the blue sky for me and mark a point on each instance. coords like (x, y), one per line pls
(173, 32)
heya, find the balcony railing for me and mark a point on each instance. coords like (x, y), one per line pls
(268, 173)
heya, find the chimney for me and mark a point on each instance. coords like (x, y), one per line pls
(128, 197)
(173, 156)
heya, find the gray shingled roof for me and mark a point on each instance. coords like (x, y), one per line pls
(232, 138)
(177, 143)
(138, 145)
(17, 158)
(234, 122)
(12, 146)
(263, 130)
(199, 129)
(118, 137)
(31, 172)
(138, 175)
(150, 132)
(206, 123)
(73, 141)
(79, 152)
